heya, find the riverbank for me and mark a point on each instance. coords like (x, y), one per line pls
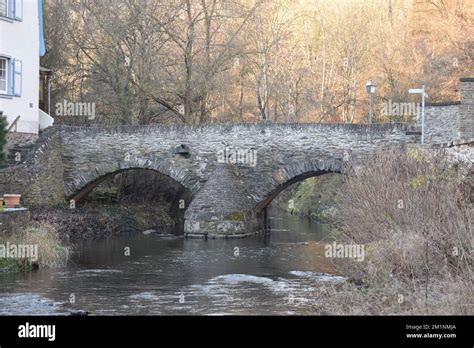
(412, 214)
(104, 220)
(37, 246)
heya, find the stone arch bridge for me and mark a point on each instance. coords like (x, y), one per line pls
(231, 172)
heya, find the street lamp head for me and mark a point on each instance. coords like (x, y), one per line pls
(370, 85)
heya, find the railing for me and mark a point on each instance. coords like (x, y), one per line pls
(14, 124)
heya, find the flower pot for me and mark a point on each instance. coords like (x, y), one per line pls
(11, 200)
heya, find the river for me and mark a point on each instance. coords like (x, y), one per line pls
(278, 273)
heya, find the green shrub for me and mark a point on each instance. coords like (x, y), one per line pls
(3, 136)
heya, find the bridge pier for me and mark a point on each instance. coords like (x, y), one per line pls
(222, 208)
(223, 228)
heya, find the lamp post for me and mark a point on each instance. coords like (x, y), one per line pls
(423, 96)
(370, 86)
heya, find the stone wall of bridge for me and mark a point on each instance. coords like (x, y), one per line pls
(230, 171)
(39, 176)
(227, 193)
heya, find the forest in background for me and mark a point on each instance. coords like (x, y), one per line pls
(194, 61)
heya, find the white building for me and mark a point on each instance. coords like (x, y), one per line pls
(21, 44)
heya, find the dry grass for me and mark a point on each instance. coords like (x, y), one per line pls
(51, 253)
(413, 213)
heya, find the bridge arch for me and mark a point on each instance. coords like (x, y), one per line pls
(80, 185)
(283, 177)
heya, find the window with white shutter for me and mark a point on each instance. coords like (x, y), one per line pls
(12, 9)
(17, 68)
(4, 64)
(18, 9)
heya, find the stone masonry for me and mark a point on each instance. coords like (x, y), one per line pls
(466, 108)
(451, 121)
(441, 122)
(231, 172)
